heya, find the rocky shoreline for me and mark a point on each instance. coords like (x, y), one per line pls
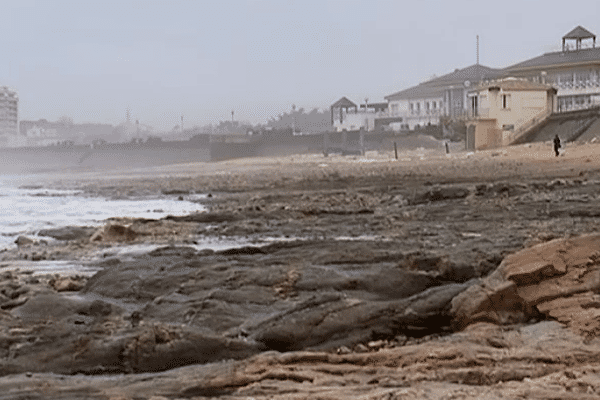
(463, 276)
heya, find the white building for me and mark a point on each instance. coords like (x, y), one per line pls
(446, 95)
(41, 136)
(417, 106)
(347, 116)
(9, 117)
(574, 70)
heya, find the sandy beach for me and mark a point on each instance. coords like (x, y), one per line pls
(431, 276)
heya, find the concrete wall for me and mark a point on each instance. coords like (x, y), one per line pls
(487, 134)
(355, 121)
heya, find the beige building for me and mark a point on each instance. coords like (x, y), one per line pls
(502, 111)
(574, 71)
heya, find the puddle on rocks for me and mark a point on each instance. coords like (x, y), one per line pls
(63, 268)
(87, 268)
(135, 250)
(215, 244)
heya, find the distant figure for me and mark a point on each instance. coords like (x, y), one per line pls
(135, 318)
(556, 145)
(447, 148)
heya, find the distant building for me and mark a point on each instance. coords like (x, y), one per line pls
(128, 131)
(446, 95)
(348, 116)
(501, 111)
(9, 117)
(45, 133)
(40, 134)
(574, 70)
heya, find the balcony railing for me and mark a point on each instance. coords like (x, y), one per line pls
(479, 113)
(388, 114)
(580, 84)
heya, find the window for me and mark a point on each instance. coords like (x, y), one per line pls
(505, 101)
(474, 106)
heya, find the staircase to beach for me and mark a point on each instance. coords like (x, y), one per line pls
(528, 130)
(581, 126)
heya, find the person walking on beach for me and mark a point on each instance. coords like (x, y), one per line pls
(556, 145)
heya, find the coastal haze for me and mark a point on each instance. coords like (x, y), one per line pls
(162, 60)
(299, 200)
(85, 76)
(91, 62)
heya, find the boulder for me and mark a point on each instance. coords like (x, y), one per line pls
(114, 233)
(444, 193)
(332, 320)
(68, 233)
(68, 283)
(558, 279)
(22, 241)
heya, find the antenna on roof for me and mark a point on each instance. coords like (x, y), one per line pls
(477, 49)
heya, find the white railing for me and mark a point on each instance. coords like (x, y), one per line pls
(368, 112)
(420, 113)
(388, 114)
(587, 84)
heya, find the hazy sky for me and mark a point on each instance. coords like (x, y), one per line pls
(90, 60)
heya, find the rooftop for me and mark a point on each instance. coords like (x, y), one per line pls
(473, 73)
(566, 56)
(556, 59)
(417, 92)
(436, 86)
(514, 84)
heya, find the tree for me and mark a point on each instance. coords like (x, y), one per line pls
(66, 120)
(312, 122)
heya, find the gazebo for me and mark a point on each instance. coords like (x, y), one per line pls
(340, 105)
(578, 34)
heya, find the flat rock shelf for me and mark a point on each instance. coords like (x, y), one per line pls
(434, 276)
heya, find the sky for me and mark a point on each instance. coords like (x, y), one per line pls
(92, 60)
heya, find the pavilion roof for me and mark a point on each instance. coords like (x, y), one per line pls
(343, 103)
(579, 33)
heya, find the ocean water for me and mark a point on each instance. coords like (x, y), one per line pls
(26, 210)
